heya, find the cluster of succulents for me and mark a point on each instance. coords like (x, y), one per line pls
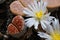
(32, 18)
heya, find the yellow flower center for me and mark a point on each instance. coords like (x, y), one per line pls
(39, 14)
(55, 36)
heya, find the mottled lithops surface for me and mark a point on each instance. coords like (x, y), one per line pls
(18, 21)
(16, 26)
(17, 8)
(12, 29)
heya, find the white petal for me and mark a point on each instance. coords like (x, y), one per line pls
(28, 19)
(31, 7)
(48, 14)
(39, 5)
(43, 35)
(45, 3)
(56, 25)
(30, 22)
(43, 25)
(47, 22)
(36, 5)
(44, 9)
(51, 17)
(27, 11)
(32, 4)
(36, 24)
(28, 14)
(48, 28)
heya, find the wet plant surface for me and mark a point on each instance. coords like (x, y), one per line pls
(6, 16)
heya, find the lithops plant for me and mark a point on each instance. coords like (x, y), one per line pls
(53, 3)
(17, 27)
(17, 7)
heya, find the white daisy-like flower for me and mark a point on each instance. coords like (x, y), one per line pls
(52, 30)
(37, 13)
